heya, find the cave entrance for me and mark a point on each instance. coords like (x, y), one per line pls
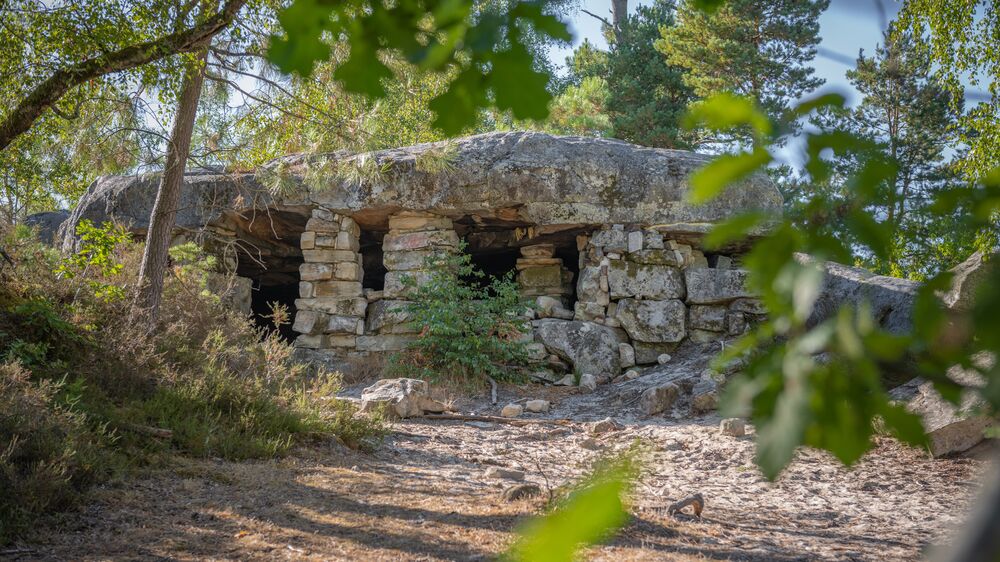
(267, 251)
(372, 260)
(496, 249)
(264, 299)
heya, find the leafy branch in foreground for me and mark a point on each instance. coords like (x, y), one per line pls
(592, 512)
(820, 381)
(485, 55)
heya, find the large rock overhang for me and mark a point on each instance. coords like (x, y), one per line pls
(518, 177)
(542, 180)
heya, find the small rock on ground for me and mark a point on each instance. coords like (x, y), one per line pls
(588, 382)
(537, 406)
(504, 473)
(733, 427)
(606, 425)
(512, 410)
(521, 491)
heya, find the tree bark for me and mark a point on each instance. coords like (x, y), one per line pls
(43, 96)
(161, 222)
(619, 11)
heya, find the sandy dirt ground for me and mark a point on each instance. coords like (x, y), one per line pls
(424, 494)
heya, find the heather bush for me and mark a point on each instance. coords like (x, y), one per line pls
(87, 391)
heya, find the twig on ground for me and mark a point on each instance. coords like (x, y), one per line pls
(495, 419)
(13, 551)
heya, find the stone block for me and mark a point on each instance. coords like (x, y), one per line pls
(306, 341)
(627, 355)
(610, 240)
(707, 317)
(657, 399)
(344, 325)
(325, 214)
(629, 279)
(525, 263)
(338, 241)
(704, 336)
(389, 317)
(588, 311)
(538, 251)
(647, 353)
(336, 289)
(736, 323)
(419, 240)
(416, 221)
(634, 242)
(589, 347)
(588, 284)
(309, 322)
(329, 256)
(341, 340)
(348, 271)
(394, 287)
(315, 271)
(333, 305)
(655, 257)
(541, 276)
(307, 241)
(383, 342)
(749, 306)
(319, 225)
(653, 321)
(408, 260)
(652, 240)
(715, 286)
(350, 226)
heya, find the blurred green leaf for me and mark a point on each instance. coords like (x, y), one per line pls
(877, 236)
(903, 424)
(734, 229)
(485, 47)
(708, 6)
(726, 111)
(589, 515)
(823, 101)
(713, 178)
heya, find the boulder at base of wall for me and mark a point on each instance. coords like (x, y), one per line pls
(948, 429)
(591, 348)
(402, 398)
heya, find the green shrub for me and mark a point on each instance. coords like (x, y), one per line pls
(469, 327)
(48, 453)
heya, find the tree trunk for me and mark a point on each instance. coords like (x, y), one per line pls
(619, 11)
(161, 222)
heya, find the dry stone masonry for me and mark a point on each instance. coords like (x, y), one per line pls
(597, 233)
(330, 313)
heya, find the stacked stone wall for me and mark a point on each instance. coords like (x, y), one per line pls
(413, 237)
(330, 312)
(638, 294)
(659, 291)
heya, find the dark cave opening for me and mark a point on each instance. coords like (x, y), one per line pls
(264, 299)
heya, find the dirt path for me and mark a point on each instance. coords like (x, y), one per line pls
(424, 496)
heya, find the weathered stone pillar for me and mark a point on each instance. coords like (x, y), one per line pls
(413, 237)
(330, 313)
(540, 273)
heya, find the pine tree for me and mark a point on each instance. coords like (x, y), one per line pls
(910, 119)
(756, 48)
(647, 97)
